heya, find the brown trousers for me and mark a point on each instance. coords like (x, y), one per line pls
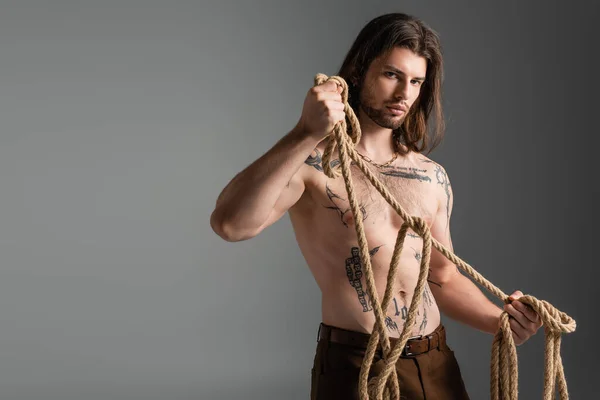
(433, 374)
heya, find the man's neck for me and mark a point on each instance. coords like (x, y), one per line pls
(376, 142)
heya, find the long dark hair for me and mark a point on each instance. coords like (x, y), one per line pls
(380, 36)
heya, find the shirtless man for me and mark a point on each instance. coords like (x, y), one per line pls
(393, 90)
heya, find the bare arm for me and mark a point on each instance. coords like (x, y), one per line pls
(456, 295)
(260, 194)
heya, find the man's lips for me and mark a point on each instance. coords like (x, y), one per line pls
(397, 110)
(399, 107)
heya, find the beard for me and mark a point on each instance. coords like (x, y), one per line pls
(380, 116)
(383, 118)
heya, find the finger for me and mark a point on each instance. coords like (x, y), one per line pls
(518, 316)
(526, 309)
(518, 334)
(329, 86)
(334, 105)
(330, 96)
(516, 294)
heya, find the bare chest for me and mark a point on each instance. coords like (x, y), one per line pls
(413, 187)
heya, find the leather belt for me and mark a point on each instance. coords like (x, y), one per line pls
(414, 346)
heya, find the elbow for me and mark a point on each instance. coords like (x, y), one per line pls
(440, 276)
(227, 230)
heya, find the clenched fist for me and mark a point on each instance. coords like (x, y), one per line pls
(323, 109)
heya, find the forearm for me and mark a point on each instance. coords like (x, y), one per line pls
(460, 299)
(248, 199)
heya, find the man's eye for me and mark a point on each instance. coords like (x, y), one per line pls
(391, 74)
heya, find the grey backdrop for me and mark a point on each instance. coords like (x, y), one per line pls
(123, 120)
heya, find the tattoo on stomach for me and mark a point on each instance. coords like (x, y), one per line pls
(354, 271)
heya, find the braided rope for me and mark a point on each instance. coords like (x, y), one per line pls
(504, 371)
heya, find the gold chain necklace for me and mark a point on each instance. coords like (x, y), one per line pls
(367, 159)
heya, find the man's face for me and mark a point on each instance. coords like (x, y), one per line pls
(392, 80)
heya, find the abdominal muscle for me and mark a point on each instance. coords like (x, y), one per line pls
(333, 258)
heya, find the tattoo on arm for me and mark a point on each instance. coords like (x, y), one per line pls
(354, 271)
(316, 161)
(442, 179)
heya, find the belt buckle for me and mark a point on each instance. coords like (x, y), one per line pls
(429, 337)
(407, 351)
(419, 337)
(407, 345)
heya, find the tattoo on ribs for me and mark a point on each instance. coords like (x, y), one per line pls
(424, 321)
(427, 296)
(354, 271)
(417, 254)
(332, 196)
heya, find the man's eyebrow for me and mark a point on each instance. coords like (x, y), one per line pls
(398, 71)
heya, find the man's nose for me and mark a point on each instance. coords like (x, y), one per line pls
(402, 91)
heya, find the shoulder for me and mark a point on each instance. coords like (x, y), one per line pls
(439, 175)
(441, 179)
(434, 168)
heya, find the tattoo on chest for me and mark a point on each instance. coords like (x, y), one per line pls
(354, 271)
(407, 173)
(341, 212)
(316, 161)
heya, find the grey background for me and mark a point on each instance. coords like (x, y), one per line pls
(123, 120)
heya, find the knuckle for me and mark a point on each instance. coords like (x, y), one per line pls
(533, 327)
